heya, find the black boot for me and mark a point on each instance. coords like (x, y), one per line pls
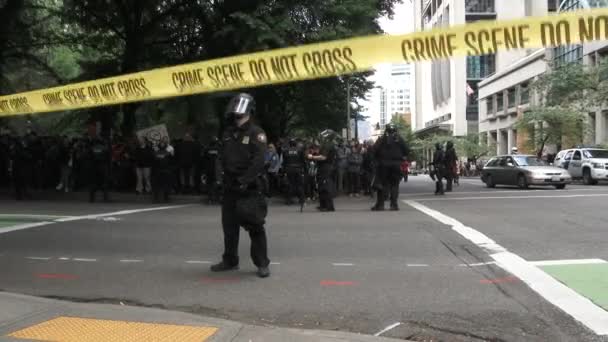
(223, 267)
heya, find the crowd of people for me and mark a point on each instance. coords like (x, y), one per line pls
(33, 163)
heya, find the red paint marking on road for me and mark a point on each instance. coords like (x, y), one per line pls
(57, 276)
(337, 283)
(208, 280)
(510, 279)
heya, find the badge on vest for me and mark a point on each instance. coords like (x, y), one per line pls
(246, 140)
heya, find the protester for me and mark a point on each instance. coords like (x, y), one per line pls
(144, 160)
(355, 160)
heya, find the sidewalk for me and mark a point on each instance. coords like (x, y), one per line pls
(25, 318)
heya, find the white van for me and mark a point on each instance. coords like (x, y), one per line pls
(590, 164)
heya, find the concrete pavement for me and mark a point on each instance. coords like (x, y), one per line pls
(29, 318)
(352, 270)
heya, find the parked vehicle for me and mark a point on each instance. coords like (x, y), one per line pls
(523, 171)
(588, 164)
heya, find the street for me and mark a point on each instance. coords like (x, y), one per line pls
(493, 276)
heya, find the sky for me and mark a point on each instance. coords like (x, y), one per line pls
(401, 23)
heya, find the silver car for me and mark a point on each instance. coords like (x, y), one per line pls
(523, 171)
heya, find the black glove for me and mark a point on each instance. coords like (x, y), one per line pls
(242, 188)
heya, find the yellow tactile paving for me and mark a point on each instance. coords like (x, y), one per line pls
(72, 329)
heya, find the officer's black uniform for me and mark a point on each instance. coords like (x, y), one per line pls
(100, 157)
(244, 203)
(326, 173)
(293, 164)
(389, 152)
(22, 165)
(450, 165)
(440, 170)
(210, 157)
(161, 173)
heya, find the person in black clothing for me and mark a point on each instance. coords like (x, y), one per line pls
(209, 161)
(21, 167)
(100, 158)
(439, 171)
(162, 171)
(244, 203)
(450, 165)
(389, 152)
(144, 160)
(293, 164)
(326, 171)
(4, 160)
(186, 153)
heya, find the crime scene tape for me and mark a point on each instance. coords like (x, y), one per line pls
(313, 61)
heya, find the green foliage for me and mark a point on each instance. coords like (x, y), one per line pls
(566, 94)
(552, 125)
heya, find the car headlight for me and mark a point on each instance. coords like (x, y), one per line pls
(598, 165)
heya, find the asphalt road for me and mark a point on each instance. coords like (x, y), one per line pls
(352, 270)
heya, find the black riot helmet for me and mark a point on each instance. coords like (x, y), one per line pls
(438, 146)
(449, 145)
(390, 128)
(327, 135)
(241, 105)
(293, 142)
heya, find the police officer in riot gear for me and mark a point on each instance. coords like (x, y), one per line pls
(100, 158)
(450, 165)
(293, 164)
(244, 204)
(439, 169)
(326, 170)
(389, 152)
(210, 159)
(161, 171)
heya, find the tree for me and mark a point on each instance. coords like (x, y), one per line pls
(565, 95)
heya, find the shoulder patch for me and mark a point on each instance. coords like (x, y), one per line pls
(262, 138)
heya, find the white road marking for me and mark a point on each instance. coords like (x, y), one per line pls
(64, 259)
(515, 191)
(568, 262)
(417, 265)
(390, 327)
(24, 226)
(478, 264)
(33, 216)
(37, 258)
(131, 261)
(503, 197)
(342, 264)
(84, 260)
(577, 306)
(197, 262)
(119, 213)
(275, 263)
(85, 217)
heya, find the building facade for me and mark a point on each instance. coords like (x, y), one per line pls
(393, 95)
(447, 91)
(506, 95)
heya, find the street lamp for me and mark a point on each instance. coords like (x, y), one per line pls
(348, 87)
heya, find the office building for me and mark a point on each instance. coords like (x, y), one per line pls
(447, 91)
(506, 95)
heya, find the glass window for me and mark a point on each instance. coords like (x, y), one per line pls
(490, 105)
(480, 6)
(524, 93)
(528, 161)
(568, 155)
(500, 102)
(596, 154)
(511, 98)
(480, 67)
(577, 155)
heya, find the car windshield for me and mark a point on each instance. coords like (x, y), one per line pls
(528, 161)
(596, 154)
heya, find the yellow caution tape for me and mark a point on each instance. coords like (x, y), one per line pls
(316, 61)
